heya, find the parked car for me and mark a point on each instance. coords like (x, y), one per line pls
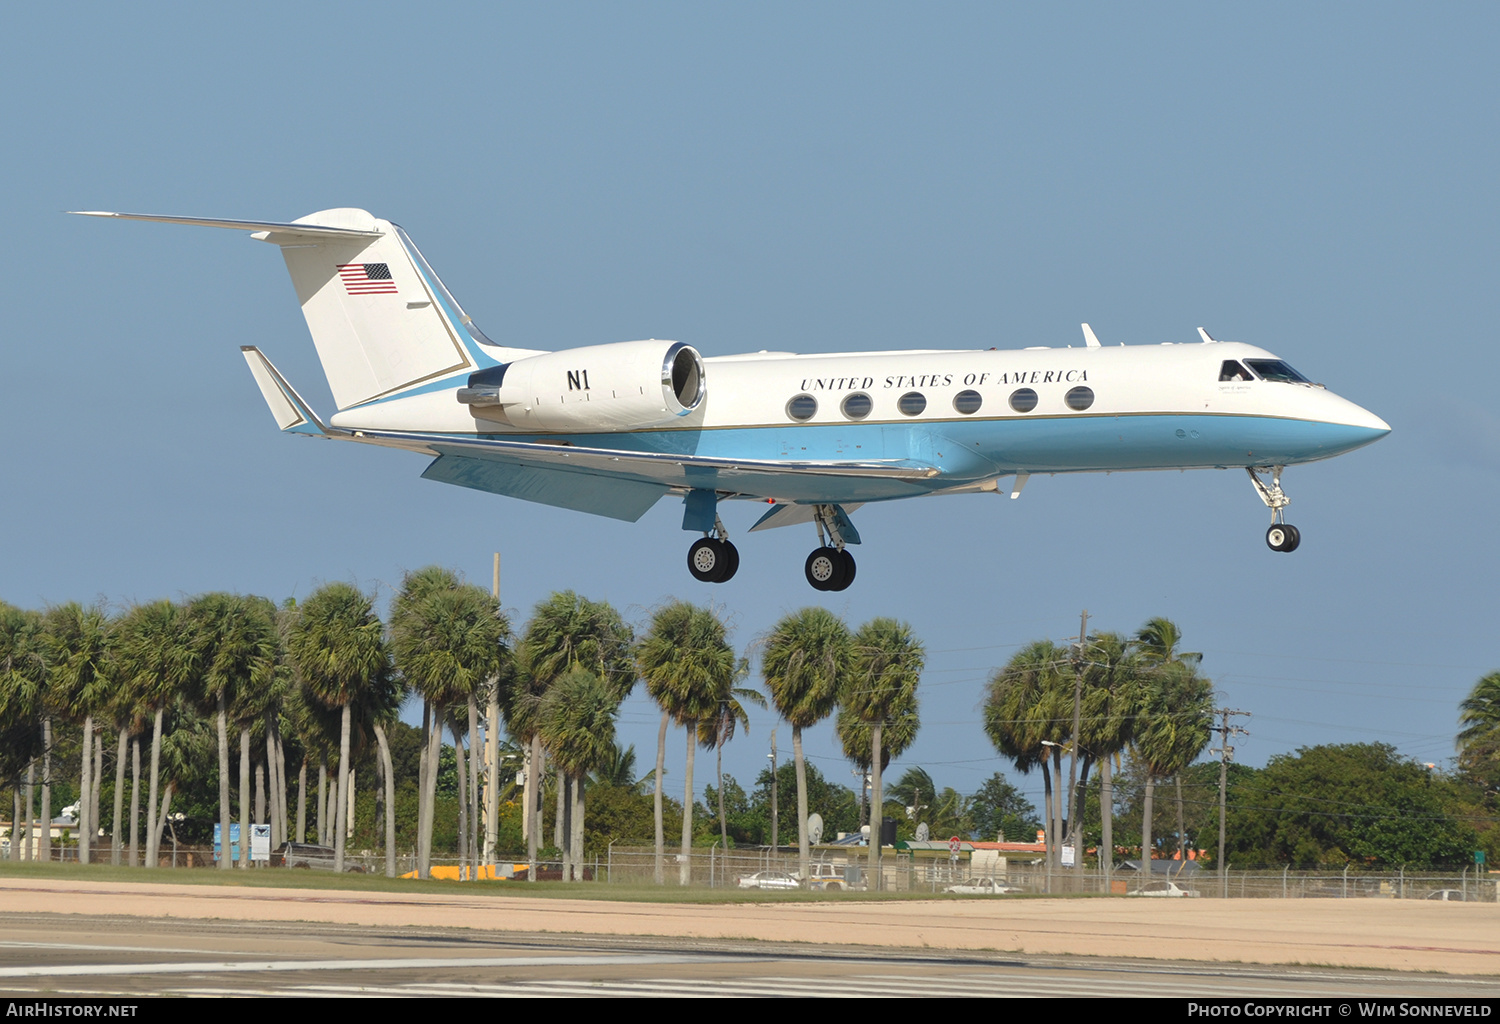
(1168, 889)
(981, 887)
(831, 878)
(769, 880)
(309, 856)
(1454, 895)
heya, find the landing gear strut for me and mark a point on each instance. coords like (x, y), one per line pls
(831, 567)
(1282, 536)
(712, 559)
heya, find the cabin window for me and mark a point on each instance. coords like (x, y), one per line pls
(1232, 371)
(1276, 370)
(912, 403)
(967, 402)
(1079, 399)
(1023, 400)
(803, 407)
(857, 406)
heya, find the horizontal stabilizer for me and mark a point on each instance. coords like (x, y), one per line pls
(275, 228)
(292, 414)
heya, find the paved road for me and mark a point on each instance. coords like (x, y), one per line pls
(74, 954)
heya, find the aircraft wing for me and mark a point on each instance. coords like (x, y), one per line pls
(623, 484)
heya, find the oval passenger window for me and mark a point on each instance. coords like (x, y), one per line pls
(857, 406)
(967, 402)
(912, 403)
(803, 407)
(1023, 400)
(1079, 399)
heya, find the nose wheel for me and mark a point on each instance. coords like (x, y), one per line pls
(1282, 536)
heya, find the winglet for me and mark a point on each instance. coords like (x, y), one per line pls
(1208, 339)
(1089, 337)
(292, 414)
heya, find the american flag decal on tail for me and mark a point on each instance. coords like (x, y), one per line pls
(367, 278)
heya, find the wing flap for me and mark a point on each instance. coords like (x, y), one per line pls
(561, 488)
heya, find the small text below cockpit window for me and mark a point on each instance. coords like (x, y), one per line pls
(1233, 371)
(1276, 370)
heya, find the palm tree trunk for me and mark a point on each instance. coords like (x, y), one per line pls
(342, 808)
(422, 851)
(135, 802)
(576, 839)
(29, 850)
(244, 796)
(685, 868)
(1050, 818)
(322, 823)
(492, 766)
(161, 821)
(434, 758)
(350, 822)
(877, 808)
(473, 787)
(559, 821)
(301, 834)
(533, 806)
(94, 793)
(390, 801)
(281, 786)
(224, 846)
(804, 859)
(661, 767)
(463, 796)
(275, 818)
(46, 836)
(152, 831)
(114, 832)
(1107, 821)
(1181, 827)
(1146, 826)
(85, 782)
(16, 828)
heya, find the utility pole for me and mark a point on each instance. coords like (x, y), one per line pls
(492, 751)
(773, 790)
(1226, 754)
(1073, 800)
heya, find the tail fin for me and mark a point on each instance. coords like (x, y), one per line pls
(382, 322)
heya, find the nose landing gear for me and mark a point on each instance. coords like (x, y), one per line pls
(1282, 536)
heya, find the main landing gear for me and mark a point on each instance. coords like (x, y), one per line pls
(1282, 536)
(713, 559)
(831, 566)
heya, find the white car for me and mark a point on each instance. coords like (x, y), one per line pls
(1168, 889)
(982, 887)
(769, 880)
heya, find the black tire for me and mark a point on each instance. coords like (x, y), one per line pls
(1277, 537)
(731, 563)
(846, 572)
(1294, 540)
(824, 568)
(706, 560)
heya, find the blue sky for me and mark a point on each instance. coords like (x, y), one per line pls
(1318, 180)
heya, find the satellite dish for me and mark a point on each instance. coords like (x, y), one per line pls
(923, 832)
(815, 829)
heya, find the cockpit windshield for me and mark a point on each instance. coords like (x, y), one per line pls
(1276, 370)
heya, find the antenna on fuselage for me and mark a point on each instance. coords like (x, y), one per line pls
(1208, 339)
(1089, 338)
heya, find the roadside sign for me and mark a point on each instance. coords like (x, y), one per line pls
(260, 843)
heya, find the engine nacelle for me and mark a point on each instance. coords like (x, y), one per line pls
(632, 385)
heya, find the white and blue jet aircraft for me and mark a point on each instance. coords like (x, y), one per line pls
(611, 429)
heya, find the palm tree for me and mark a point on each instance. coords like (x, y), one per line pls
(235, 646)
(719, 728)
(22, 683)
(688, 667)
(1028, 714)
(565, 632)
(1174, 717)
(158, 662)
(77, 644)
(804, 659)
(1111, 700)
(578, 726)
(448, 641)
(338, 645)
(882, 684)
(1479, 713)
